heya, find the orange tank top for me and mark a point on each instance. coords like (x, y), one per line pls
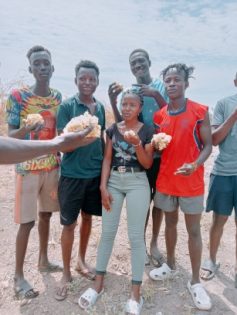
(185, 147)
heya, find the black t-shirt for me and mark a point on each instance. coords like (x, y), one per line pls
(124, 153)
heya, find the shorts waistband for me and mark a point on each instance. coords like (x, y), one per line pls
(125, 169)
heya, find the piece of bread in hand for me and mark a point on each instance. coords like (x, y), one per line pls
(81, 122)
(160, 140)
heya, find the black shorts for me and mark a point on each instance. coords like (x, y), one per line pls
(77, 194)
(152, 174)
(222, 196)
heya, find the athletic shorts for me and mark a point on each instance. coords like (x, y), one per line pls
(152, 174)
(33, 189)
(77, 194)
(222, 196)
(189, 205)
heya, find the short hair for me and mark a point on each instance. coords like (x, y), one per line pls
(179, 67)
(87, 64)
(143, 51)
(37, 48)
(134, 91)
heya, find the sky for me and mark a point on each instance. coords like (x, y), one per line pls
(199, 33)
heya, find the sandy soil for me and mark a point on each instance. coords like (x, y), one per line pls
(170, 297)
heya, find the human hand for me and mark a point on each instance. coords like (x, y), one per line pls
(114, 90)
(33, 122)
(68, 142)
(186, 169)
(146, 90)
(132, 137)
(106, 199)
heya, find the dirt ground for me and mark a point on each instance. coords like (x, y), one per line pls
(170, 297)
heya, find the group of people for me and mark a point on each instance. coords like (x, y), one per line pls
(97, 174)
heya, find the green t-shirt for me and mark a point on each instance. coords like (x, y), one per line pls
(84, 162)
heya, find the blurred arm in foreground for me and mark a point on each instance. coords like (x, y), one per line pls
(15, 150)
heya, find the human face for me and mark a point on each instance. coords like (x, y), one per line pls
(139, 65)
(175, 83)
(86, 81)
(41, 66)
(130, 107)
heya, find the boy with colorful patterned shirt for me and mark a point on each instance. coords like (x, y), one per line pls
(37, 179)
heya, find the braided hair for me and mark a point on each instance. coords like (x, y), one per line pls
(134, 90)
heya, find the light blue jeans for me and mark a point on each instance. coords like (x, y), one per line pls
(135, 188)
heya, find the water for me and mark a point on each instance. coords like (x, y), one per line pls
(106, 31)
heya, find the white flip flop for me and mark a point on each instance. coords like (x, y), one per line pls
(163, 273)
(90, 296)
(133, 307)
(200, 297)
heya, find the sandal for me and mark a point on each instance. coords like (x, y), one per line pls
(132, 307)
(90, 296)
(86, 273)
(163, 273)
(209, 269)
(23, 290)
(200, 297)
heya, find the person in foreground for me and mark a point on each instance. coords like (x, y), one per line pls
(222, 197)
(37, 179)
(154, 98)
(127, 154)
(15, 150)
(79, 184)
(180, 182)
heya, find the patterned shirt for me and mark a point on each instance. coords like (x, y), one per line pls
(22, 102)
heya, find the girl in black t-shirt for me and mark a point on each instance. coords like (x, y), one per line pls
(128, 153)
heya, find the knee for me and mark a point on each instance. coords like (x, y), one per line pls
(69, 228)
(45, 216)
(27, 226)
(86, 218)
(171, 222)
(136, 240)
(194, 231)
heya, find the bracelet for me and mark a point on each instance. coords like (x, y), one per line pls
(137, 145)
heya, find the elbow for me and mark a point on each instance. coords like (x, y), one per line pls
(147, 165)
(214, 143)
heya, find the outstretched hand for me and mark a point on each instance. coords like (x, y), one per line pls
(72, 140)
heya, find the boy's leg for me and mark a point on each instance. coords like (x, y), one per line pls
(22, 239)
(25, 215)
(157, 214)
(194, 244)
(157, 217)
(171, 220)
(220, 200)
(91, 206)
(70, 203)
(48, 203)
(169, 204)
(216, 231)
(85, 231)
